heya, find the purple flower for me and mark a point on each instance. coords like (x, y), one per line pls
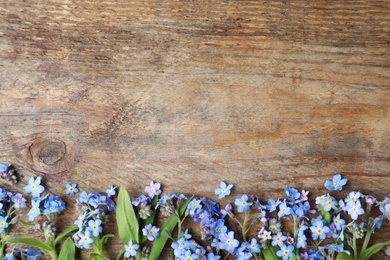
(19, 201)
(153, 189)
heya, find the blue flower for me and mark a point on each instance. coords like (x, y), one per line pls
(228, 242)
(188, 256)
(385, 209)
(71, 189)
(34, 187)
(151, 232)
(83, 198)
(180, 247)
(202, 216)
(35, 210)
(142, 199)
(218, 227)
(283, 210)
(185, 234)
(243, 252)
(293, 194)
(31, 254)
(338, 222)
(329, 203)
(95, 227)
(131, 249)
(301, 240)
(111, 191)
(336, 184)
(211, 256)
(286, 252)
(242, 203)
(212, 206)
(254, 247)
(3, 223)
(194, 205)
(85, 239)
(272, 205)
(278, 239)
(354, 209)
(377, 223)
(318, 230)
(96, 199)
(223, 190)
(53, 204)
(80, 222)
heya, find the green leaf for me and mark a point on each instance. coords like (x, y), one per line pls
(121, 253)
(64, 233)
(150, 219)
(28, 224)
(126, 218)
(344, 256)
(270, 253)
(31, 242)
(95, 256)
(104, 238)
(325, 215)
(366, 254)
(67, 250)
(171, 223)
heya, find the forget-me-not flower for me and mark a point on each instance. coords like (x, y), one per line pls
(336, 184)
(223, 190)
(34, 187)
(131, 249)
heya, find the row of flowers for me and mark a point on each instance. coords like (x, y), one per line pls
(248, 228)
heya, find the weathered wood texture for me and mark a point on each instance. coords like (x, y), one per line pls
(261, 94)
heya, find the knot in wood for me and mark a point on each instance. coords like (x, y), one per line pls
(51, 152)
(49, 156)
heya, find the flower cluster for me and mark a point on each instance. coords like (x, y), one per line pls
(92, 214)
(333, 227)
(246, 228)
(48, 204)
(9, 201)
(23, 253)
(7, 172)
(187, 248)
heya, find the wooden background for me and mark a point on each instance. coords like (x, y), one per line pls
(262, 94)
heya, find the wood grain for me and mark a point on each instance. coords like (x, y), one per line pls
(262, 94)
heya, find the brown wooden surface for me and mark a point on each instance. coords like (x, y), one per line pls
(261, 94)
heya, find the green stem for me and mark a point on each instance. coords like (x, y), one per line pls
(355, 253)
(138, 255)
(2, 248)
(243, 227)
(367, 239)
(53, 254)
